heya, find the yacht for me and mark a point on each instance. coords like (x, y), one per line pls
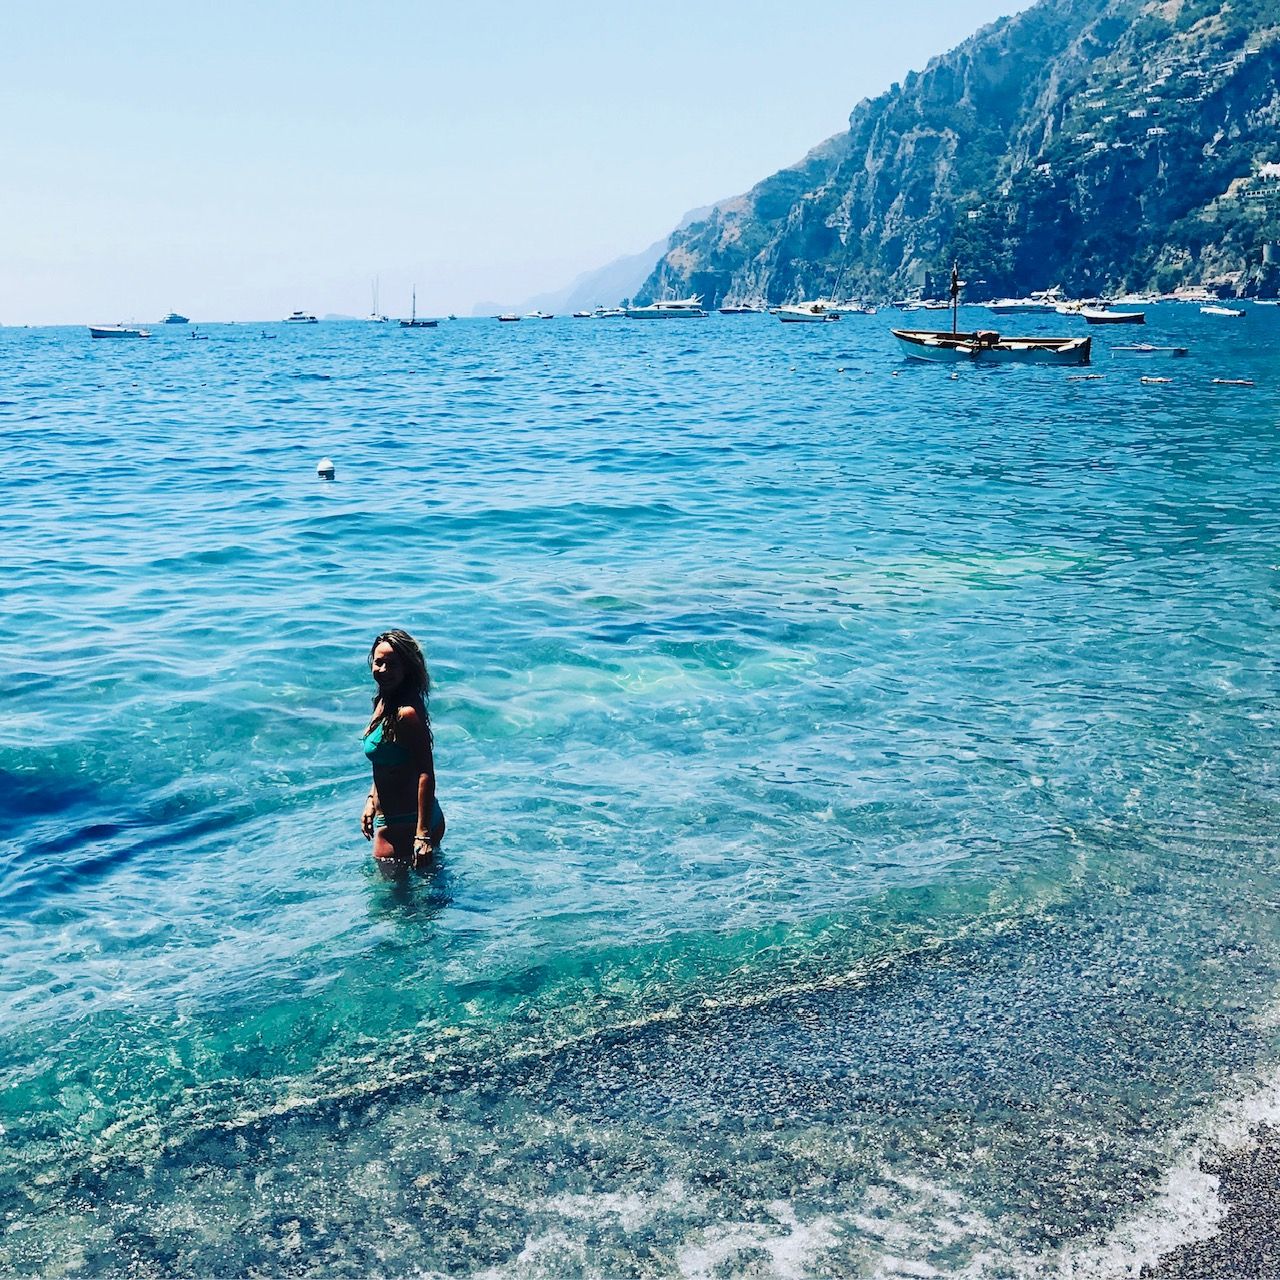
(301, 317)
(608, 313)
(689, 308)
(174, 318)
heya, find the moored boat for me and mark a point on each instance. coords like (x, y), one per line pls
(1104, 315)
(1147, 349)
(806, 313)
(608, 313)
(689, 308)
(1222, 311)
(507, 317)
(741, 309)
(117, 331)
(174, 318)
(988, 347)
(413, 322)
(300, 317)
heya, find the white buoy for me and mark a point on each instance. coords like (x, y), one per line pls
(324, 468)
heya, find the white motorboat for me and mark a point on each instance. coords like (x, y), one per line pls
(537, 315)
(1104, 315)
(300, 317)
(1021, 306)
(1044, 302)
(1143, 349)
(1222, 311)
(850, 308)
(689, 308)
(608, 313)
(174, 318)
(806, 313)
(117, 331)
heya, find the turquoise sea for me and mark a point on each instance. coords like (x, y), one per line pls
(862, 792)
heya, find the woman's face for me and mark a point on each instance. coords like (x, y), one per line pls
(388, 669)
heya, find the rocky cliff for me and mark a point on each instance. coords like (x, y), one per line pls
(1103, 145)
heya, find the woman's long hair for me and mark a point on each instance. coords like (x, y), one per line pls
(412, 691)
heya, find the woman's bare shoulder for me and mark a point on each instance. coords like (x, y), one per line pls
(409, 716)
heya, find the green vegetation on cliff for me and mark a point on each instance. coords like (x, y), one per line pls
(1103, 145)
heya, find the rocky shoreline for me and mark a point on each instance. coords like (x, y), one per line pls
(1246, 1245)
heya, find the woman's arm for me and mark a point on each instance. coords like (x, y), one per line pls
(371, 808)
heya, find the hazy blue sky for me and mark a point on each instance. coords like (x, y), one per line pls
(238, 160)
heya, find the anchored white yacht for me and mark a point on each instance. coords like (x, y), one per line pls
(689, 308)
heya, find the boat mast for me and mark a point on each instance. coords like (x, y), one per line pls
(955, 292)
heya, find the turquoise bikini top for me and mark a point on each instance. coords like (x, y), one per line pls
(383, 753)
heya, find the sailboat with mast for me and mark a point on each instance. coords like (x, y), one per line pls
(375, 315)
(413, 322)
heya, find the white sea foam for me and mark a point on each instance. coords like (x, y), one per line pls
(791, 1246)
(1185, 1210)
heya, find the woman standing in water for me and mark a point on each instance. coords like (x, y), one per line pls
(402, 816)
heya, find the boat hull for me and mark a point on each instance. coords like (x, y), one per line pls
(1145, 350)
(806, 315)
(665, 313)
(1115, 317)
(991, 348)
(1017, 307)
(116, 331)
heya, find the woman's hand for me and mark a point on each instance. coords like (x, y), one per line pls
(366, 818)
(423, 850)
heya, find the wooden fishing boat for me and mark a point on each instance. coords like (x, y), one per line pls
(989, 347)
(413, 322)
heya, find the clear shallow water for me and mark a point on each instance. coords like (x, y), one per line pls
(861, 791)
